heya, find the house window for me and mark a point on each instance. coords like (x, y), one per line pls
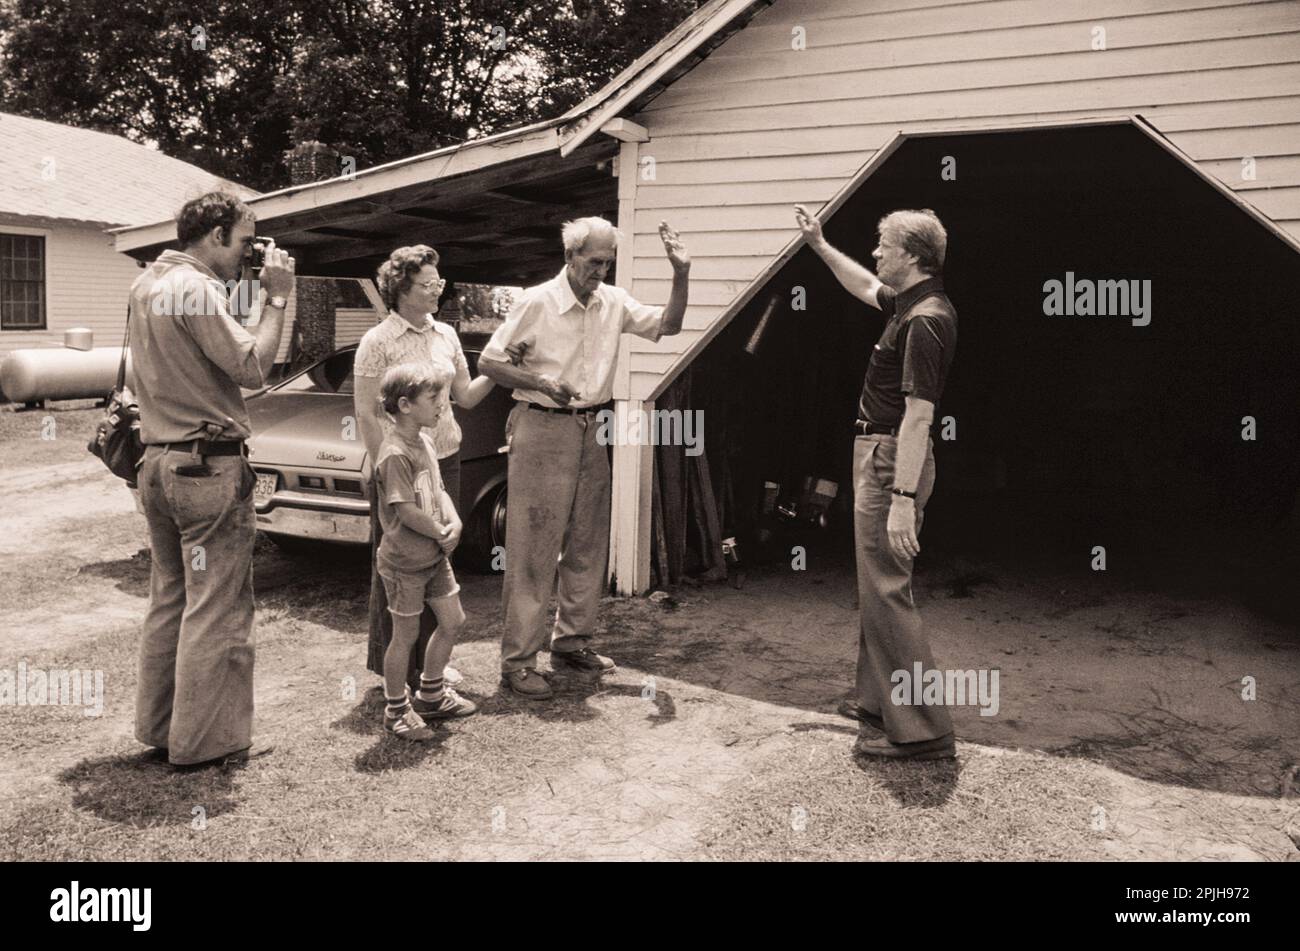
(22, 282)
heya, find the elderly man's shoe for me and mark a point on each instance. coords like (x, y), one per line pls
(850, 708)
(944, 747)
(584, 659)
(527, 683)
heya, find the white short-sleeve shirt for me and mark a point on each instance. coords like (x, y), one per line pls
(575, 344)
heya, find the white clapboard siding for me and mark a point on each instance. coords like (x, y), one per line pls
(759, 124)
(87, 284)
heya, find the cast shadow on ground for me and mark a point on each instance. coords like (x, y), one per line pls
(570, 703)
(925, 785)
(131, 575)
(388, 752)
(134, 790)
(782, 647)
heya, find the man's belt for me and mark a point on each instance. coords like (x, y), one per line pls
(573, 410)
(204, 447)
(871, 429)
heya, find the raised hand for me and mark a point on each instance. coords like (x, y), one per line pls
(277, 276)
(673, 247)
(808, 224)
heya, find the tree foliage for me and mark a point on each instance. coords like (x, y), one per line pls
(230, 85)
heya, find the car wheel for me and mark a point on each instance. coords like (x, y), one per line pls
(485, 531)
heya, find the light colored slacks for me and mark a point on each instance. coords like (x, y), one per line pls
(891, 636)
(195, 690)
(557, 532)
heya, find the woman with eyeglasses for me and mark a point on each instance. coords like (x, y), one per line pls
(410, 287)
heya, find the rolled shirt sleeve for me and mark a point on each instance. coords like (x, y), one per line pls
(219, 335)
(643, 320)
(520, 322)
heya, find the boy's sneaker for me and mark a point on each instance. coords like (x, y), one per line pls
(451, 705)
(584, 659)
(409, 726)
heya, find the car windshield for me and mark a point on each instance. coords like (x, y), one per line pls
(331, 375)
(334, 374)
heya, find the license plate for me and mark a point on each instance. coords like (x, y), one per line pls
(265, 488)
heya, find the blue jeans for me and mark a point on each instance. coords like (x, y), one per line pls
(195, 689)
(891, 636)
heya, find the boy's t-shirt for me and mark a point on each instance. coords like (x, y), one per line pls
(407, 473)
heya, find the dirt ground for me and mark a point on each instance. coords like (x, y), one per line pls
(1122, 731)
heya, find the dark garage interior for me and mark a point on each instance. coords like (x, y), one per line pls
(1070, 431)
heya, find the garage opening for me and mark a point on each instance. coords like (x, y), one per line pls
(1171, 441)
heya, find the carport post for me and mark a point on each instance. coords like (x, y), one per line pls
(629, 523)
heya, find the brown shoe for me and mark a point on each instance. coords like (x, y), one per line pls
(527, 683)
(850, 708)
(944, 747)
(584, 659)
(237, 758)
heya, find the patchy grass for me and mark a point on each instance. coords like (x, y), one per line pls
(47, 436)
(712, 740)
(816, 801)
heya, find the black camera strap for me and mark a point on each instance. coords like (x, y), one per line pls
(121, 364)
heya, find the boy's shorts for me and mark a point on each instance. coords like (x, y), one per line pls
(408, 592)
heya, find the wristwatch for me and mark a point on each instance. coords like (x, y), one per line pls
(903, 493)
(277, 301)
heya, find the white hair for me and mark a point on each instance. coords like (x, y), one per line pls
(575, 233)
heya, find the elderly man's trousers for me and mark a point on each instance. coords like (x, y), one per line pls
(557, 532)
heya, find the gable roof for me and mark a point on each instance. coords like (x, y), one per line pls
(659, 67)
(684, 47)
(58, 172)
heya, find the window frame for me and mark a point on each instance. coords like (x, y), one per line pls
(42, 283)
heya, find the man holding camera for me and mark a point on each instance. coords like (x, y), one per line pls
(190, 356)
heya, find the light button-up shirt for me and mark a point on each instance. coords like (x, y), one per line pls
(575, 344)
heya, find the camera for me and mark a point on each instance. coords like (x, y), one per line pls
(257, 253)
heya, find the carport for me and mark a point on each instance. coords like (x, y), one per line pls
(492, 207)
(1063, 432)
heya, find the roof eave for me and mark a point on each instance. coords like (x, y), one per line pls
(447, 162)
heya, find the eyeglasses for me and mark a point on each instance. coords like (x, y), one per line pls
(436, 284)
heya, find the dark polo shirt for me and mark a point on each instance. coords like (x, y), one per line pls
(913, 354)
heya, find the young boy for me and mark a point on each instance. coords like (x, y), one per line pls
(421, 529)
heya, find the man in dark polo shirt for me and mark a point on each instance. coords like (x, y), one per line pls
(893, 471)
(189, 356)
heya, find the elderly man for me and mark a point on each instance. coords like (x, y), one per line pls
(557, 522)
(194, 701)
(893, 469)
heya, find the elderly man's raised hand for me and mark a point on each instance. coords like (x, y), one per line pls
(673, 247)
